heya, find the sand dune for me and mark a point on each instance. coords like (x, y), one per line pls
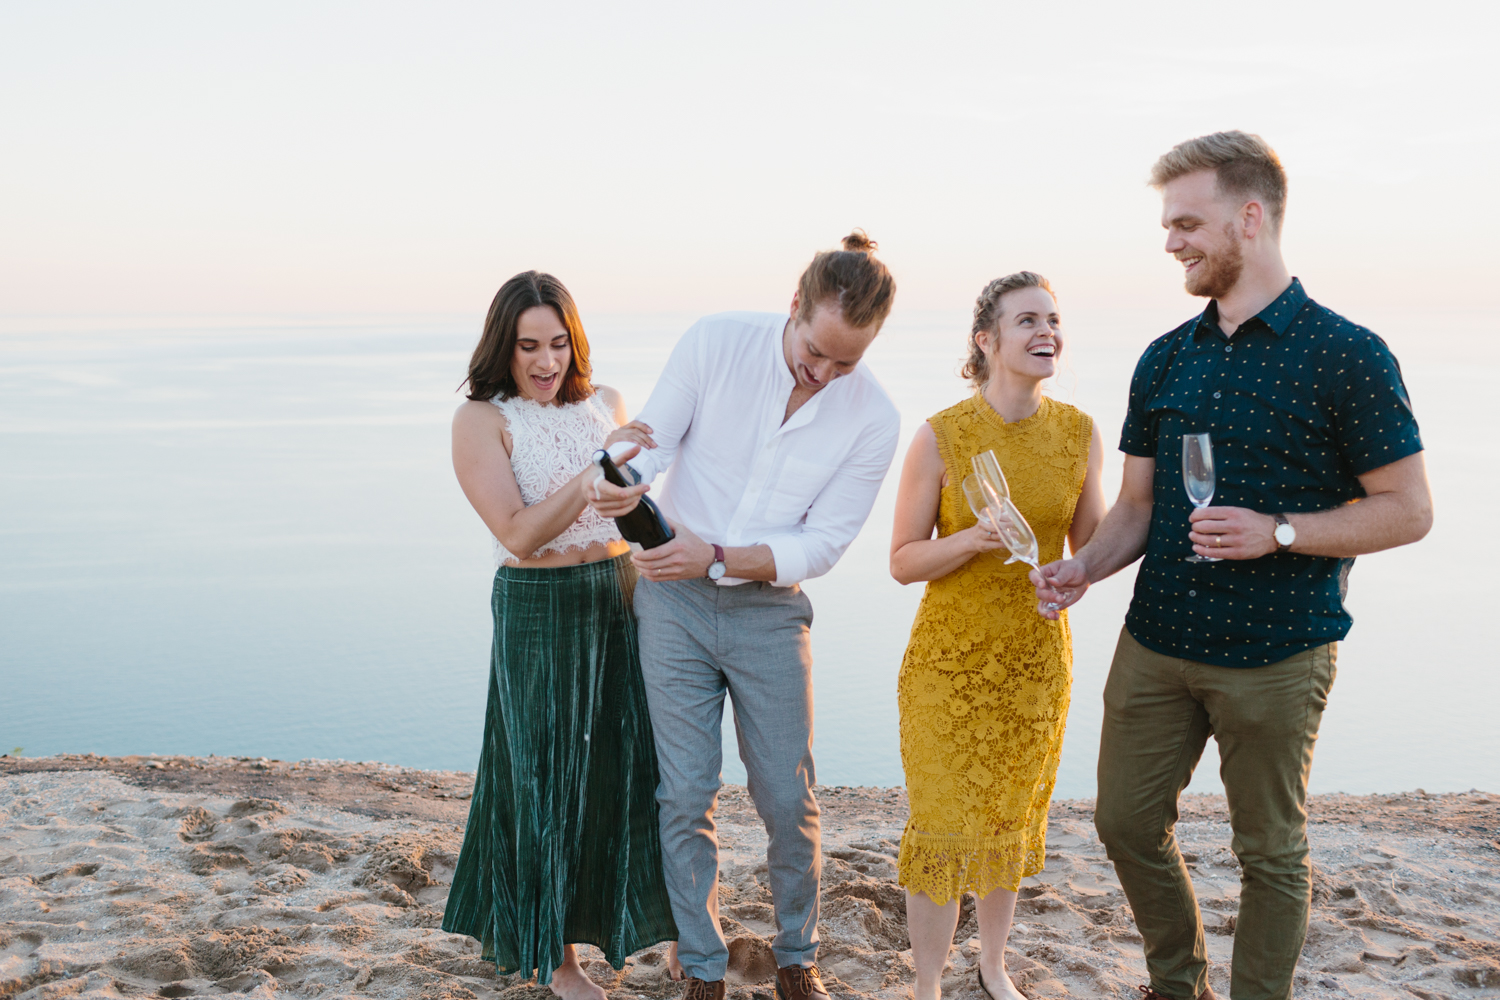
(179, 877)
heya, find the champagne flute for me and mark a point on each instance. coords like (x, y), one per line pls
(1007, 522)
(1198, 478)
(978, 503)
(988, 473)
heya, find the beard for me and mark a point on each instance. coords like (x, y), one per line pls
(1220, 270)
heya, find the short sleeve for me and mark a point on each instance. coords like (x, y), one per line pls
(1373, 414)
(1138, 436)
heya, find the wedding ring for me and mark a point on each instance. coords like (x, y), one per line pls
(1219, 541)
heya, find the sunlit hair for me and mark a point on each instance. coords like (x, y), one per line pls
(987, 312)
(489, 368)
(860, 284)
(1244, 166)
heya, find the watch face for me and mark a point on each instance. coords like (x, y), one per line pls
(715, 571)
(1285, 534)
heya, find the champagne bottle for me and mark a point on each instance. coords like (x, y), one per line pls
(644, 525)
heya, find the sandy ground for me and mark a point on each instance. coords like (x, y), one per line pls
(178, 877)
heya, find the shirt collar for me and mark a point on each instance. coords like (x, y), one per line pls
(1276, 317)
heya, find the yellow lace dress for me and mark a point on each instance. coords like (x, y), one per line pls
(984, 685)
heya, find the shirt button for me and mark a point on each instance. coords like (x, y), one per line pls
(1217, 395)
(1228, 348)
(1192, 593)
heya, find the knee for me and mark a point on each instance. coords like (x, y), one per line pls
(1288, 871)
(685, 795)
(1111, 821)
(1125, 833)
(787, 808)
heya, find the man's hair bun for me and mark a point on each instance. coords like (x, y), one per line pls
(859, 242)
(852, 278)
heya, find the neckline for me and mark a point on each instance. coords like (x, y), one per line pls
(994, 419)
(521, 397)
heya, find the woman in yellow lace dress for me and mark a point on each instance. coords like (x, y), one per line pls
(985, 681)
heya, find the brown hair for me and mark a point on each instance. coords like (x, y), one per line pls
(862, 286)
(1243, 164)
(489, 368)
(987, 313)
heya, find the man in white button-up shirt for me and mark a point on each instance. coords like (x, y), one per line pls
(774, 438)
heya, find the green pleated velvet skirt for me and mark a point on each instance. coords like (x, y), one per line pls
(562, 844)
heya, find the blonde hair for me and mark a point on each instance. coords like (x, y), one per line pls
(987, 313)
(1243, 165)
(862, 286)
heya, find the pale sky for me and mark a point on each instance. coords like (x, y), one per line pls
(215, 159)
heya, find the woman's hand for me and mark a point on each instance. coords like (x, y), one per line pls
(607, 498)
(981, 537)
(635, 432)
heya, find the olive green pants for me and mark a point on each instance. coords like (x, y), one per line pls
(1158, 713)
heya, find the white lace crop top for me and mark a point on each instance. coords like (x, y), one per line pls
(549, 446)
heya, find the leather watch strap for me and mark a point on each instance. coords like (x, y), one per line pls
(1281, 520)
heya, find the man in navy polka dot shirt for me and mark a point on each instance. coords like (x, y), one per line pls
(1317, 460)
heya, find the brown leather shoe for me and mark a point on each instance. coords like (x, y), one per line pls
(794, 982)
(1147, 993)
(702, 989)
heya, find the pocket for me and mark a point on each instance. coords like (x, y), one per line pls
(796, 488)
(806, 603)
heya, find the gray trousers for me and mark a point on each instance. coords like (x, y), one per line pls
(699, 640)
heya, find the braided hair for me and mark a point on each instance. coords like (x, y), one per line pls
(987, 314)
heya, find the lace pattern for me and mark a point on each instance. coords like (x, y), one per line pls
(985, 683)
(549, 446)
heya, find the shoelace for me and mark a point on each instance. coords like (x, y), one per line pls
(807, 980)
(698, 989)
(1147, 993)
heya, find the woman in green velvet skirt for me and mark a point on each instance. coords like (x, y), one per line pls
(562, 844)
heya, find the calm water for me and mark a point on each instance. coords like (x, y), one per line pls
(242, 539)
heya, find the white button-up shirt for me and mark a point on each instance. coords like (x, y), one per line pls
(738, 475)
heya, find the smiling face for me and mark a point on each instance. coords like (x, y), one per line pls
(1203, 233)
(1027, 340)
(543, 354)
(823, 347)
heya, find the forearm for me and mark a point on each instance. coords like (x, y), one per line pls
(750, 562)
(1396, 510)
(1356, 529)
(1119, 540)
(646, 466)
(930, 559)
(529, 528)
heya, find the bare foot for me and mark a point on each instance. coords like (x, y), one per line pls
(996, 982)
(674, 967)
(570, 982)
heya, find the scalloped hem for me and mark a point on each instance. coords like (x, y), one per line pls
(503, 555)
(945, 866)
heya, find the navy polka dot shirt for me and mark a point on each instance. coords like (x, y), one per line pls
(1299, 403)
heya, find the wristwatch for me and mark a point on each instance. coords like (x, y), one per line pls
(1285, 533)
(716, 568)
